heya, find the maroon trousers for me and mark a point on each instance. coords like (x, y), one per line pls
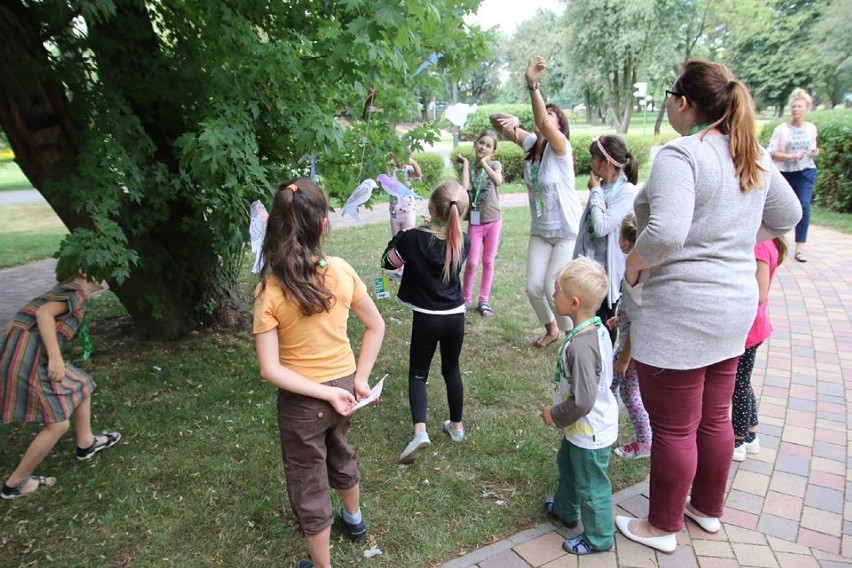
(693, 439)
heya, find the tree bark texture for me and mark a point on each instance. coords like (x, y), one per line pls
(165, 288)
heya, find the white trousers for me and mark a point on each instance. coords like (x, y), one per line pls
(545, 257)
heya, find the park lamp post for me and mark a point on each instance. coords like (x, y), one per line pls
(641, 93)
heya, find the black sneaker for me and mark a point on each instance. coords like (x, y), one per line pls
(112, 438)
(305, 563)
(355, 531)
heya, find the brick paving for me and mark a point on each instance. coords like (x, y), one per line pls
(790, 506)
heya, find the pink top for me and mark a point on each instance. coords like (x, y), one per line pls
(761, 329)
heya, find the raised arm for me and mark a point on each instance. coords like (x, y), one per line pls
(509, 126)
(555, 137)
(417, 171)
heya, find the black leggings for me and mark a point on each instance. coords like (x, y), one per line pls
(427, 330)
(744, 403)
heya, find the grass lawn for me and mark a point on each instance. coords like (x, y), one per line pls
(11, 177)
(839, 221)
(197, 479)
(28, 232)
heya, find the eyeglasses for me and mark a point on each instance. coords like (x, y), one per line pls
(670, 93)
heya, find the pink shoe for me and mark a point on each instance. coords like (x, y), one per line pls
(633, 451)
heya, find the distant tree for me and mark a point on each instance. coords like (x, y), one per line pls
(481, 83)
(832, 60)
(150, 126)
(767, 44)
(616, 40)
(541, 35)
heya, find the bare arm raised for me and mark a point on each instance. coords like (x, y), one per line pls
(509, 126)
(548, 127)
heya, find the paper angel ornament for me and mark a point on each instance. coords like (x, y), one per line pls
(457, 113)
(313, 162)
(257, 230)
(358, 198)
(395, 187)
(431, 60)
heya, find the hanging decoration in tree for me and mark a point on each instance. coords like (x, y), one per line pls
(257, 230)
(429, 61)
(358, 197)
(313, 161)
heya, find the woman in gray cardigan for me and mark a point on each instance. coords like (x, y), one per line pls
(692, 294)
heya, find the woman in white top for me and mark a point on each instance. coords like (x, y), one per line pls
(793, 147)
(554, 207)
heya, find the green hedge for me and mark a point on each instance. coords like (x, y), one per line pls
(511, 157)
(834, 163)
(432, 166)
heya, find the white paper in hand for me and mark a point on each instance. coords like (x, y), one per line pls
(375, 393)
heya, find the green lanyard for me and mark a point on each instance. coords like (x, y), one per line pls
(697, 128)
(534, 175)
(571, 334)
(477, 186)
(86, 339)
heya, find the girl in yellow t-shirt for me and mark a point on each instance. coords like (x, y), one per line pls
(301, 310)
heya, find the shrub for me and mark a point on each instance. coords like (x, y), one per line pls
(834, 163)
(432, 166)
(511, 157)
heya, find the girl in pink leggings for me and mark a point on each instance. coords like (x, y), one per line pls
(485, 218)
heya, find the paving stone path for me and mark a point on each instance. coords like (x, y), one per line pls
(789, 506)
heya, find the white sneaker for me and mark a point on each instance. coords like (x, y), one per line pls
(414, 447)
(752, 447)
(740, 453)
(455, 435)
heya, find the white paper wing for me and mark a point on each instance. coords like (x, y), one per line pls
(358, 197)
(257, 230)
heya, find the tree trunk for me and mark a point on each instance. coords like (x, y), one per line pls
(659, 122)
(587, 97)
(163, 291)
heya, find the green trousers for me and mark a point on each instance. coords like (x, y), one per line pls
(584, 492)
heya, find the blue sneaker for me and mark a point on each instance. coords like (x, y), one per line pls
(580, 546)
(305, 563)
(549, 505)
(355, 531)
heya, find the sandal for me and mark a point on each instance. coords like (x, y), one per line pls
(18, 490)
(800, 256)
(485, 310)
(544, 341)
(111, 439)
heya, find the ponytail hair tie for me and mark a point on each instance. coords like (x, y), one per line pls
(456, 203)
(293, 187)
(731, 84)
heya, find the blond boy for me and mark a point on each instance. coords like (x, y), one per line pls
(584, 409)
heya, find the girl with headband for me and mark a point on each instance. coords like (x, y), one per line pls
(611, 187)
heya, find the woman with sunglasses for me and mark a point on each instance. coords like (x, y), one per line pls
(692, 294)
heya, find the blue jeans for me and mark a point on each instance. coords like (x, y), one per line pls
(802, 183)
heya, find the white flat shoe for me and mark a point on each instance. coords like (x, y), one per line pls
(708, 524)
(666, 543)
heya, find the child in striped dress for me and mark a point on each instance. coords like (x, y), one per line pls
(37, 385)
